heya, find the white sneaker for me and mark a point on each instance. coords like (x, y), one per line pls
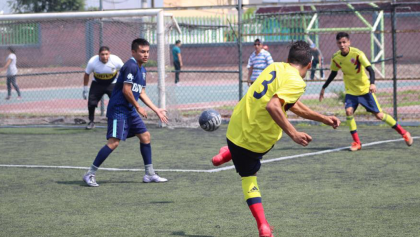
(153, 178)
(90, 180)
(91, 125)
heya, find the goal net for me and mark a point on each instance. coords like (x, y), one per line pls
(52, 51)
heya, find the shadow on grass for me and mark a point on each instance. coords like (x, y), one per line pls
(182, 233)
(162, 202)
(81, 183)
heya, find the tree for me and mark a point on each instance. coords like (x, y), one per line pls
(31, 6)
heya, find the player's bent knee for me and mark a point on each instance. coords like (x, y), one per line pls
(113, 143)
(379, 116)
(144, 137)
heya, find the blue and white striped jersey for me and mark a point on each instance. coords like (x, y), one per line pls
(259, 63)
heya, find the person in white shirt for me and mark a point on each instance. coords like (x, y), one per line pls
(105, 67)
(11, 73)
(258, 61)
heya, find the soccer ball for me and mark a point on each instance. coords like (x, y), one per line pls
(210, 120)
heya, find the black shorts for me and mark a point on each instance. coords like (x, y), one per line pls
(97, 90)
(247, 163)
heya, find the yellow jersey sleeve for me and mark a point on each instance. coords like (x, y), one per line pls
(363, 59)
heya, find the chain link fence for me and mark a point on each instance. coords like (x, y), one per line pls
(52, 57)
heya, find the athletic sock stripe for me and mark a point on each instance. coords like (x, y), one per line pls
(114, 128)
(253, 201)
(122, 134)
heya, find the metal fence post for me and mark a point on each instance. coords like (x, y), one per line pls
(394, 59)
(240, 46)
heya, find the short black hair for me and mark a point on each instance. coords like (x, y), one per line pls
(342, 35)
(178, 41)
(11, 49)
(137, 42)
(257, 41)
(300, 53)
(103, 48)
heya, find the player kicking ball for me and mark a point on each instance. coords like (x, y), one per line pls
(359, 88)
(124, 112)
(259, 119)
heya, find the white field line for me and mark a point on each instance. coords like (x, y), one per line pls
(211, 170)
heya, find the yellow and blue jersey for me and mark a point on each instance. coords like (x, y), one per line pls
(353, 65)
(251, 126)
(131, 73)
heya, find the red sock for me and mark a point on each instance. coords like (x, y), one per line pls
(399, 129)
(355, 136)
(225, 153)
(257, 210)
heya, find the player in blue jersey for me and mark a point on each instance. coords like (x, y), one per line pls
(124, 113)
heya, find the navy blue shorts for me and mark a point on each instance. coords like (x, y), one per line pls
(368, 101)
(125, 128)
(247, 163)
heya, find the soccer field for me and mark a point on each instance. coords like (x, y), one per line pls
(319, 190)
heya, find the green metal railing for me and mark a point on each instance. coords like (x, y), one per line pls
(19, 33)
(223, 29)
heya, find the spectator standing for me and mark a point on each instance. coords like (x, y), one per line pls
(176, 53)
(317, 59)
(11, 73)
(258, 61)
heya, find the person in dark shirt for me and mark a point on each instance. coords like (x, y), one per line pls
(317, 59)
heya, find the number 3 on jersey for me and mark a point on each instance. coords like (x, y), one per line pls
(265, 84)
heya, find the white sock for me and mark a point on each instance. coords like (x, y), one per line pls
(92, 169)
(149, 169)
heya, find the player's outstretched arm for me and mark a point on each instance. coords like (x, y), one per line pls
(128, 94)
(331, 77)
(161, 113)
(372, 87)
(304, 111)
(275, 109)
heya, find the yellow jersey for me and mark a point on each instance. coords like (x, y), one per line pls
(251, 126)
(353, 65)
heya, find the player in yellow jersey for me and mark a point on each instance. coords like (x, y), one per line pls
(359, 88)
(260, 117)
